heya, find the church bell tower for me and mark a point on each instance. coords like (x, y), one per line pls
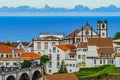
(102, 29)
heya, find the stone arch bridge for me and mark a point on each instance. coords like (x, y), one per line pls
(32, 73)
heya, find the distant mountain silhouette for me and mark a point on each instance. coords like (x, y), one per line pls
(77, 8)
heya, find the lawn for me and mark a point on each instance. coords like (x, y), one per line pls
(106, 69)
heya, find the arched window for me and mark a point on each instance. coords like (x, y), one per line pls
(2, 55)
(103, 26)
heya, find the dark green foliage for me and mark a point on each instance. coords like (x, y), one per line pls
(26, 64)
(63, 68)
(116, 36)
(44, 59)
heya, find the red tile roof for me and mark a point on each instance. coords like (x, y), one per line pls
(5, 49)
(74, 33)
(30, 55)
(66, 47)
(65, 76)
(82, 45)
(117, 55)
(106, 50)
(100, 42)
(8, 49)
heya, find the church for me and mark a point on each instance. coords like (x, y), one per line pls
(88, 32)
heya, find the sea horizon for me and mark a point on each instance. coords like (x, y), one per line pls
(24, 28)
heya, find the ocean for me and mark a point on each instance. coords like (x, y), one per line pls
(24, 28)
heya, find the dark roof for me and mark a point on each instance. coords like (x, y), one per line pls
(74, 33)
(100, 42)
(25, 43)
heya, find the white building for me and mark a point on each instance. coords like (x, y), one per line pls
(46, 41)
(88, 32)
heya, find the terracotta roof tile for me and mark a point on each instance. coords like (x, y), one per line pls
(65, 76)
(74, 33)
(117, 55)
(100, 42)
(82, 45)
(66, 47)
(30, 55)
(107, 50)
(5, 49)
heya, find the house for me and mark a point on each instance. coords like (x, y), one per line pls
(46, 41)
(12, 57)
(26, 46)
(65, 76)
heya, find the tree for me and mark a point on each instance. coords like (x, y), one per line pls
(116, 36)
(7, 43)
(63, 68)
(44, 59)
(25, 64)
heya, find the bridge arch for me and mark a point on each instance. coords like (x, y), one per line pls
(11, 77)
(24, 76)
(36, 75)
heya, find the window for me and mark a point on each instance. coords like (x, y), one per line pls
(100, 61)
(79, 56)
(72, 56)
(58, 64)
(54, 49)
(10, 55)
(58, 57)
(18, 54)
(39, 45)
(79, 49)
(58, 51)
(2, 55)
(70, 65)
(50, 71)
(14, 55)
(46, 45)
(103, 26)
(66, 64)
(50, 50)
(53, 43)
(94, 61)
(73, 65)
(103, 34)
(38, 52)
(50, 64)
(77, 40)
(7, 56)
(84, 50)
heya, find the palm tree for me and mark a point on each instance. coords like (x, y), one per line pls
(44, 59)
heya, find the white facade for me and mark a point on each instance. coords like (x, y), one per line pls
(45, 42)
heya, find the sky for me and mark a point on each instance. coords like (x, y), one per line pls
(59, 3)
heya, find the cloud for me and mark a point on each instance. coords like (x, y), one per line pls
(69, 4)
(77, 8)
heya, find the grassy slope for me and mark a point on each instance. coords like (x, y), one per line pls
(108, 69)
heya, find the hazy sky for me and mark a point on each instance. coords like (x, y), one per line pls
(59, 3)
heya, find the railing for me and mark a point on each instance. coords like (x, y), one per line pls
(14, 69)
